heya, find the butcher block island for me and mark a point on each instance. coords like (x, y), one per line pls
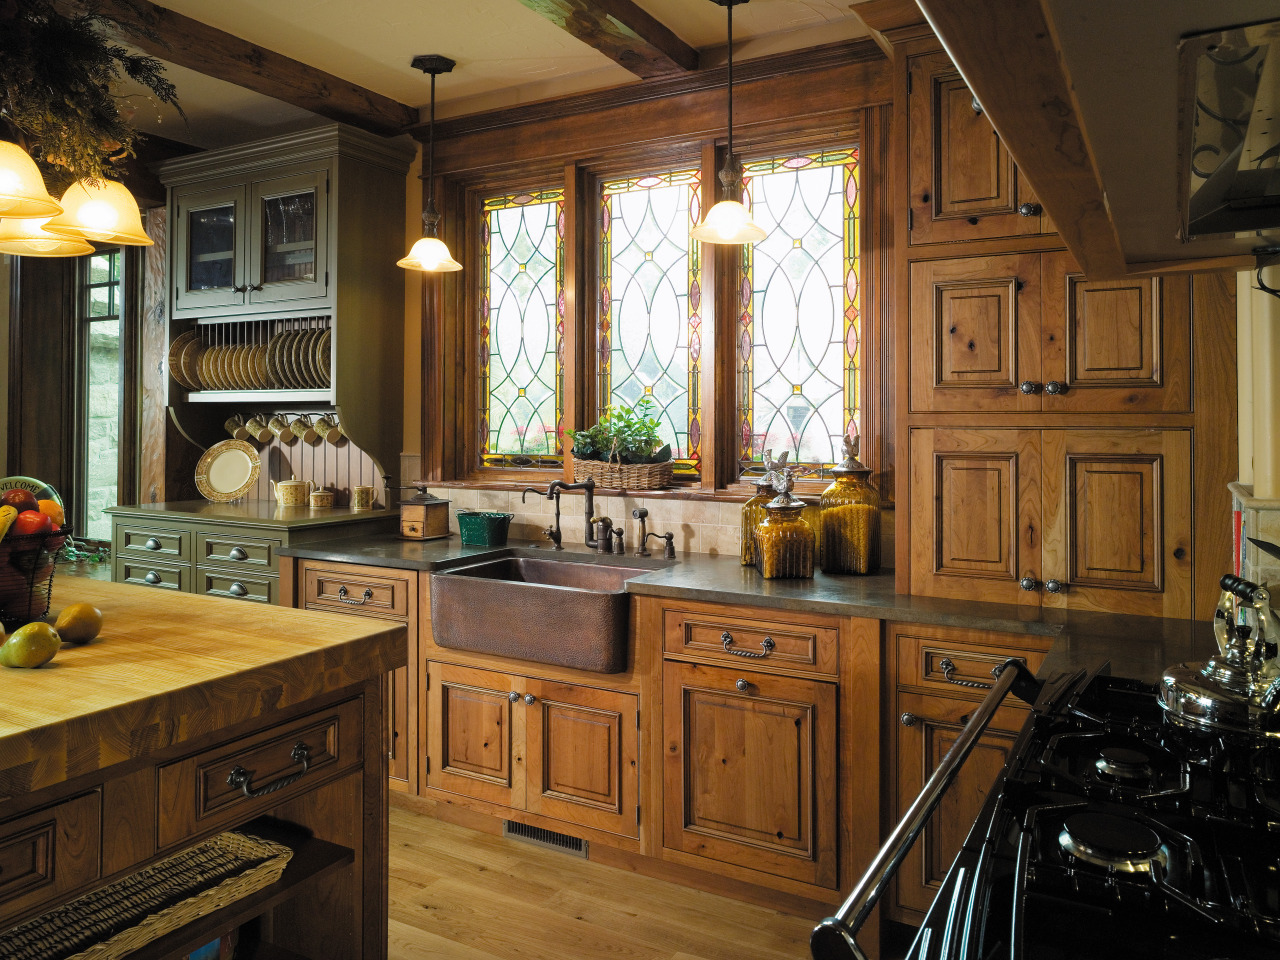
(118, 754)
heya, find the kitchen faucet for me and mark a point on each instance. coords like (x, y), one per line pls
(553, 492)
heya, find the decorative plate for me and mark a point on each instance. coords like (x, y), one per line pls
(190, 362)
(307, 350)
(176, 348)
(40, 489)
(324, 357)
(227, 471)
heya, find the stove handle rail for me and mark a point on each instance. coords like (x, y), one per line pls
(836, 937)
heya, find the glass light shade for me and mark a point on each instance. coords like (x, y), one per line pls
(105, 213)
(26, 237)
(22, 191)
(430, 255)
(728, 222)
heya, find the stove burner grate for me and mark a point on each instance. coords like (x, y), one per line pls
(1125, 763)
(1118, 843)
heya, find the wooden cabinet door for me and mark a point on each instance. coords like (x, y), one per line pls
(975, 333)
(581, 753)
(398, 728)
(209, 255)
(927, 728)
(975, 513)
(964, 185)
(750, 770)
(1118, 520)
(475, 729)
(1117, 346)
(289, 238)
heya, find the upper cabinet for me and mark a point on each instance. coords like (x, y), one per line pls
(964, 185)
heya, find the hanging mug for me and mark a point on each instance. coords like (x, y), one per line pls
(362, 498)
(327, 428)
(303, 429)
(235, 426)
(280, 427)
(258, 429)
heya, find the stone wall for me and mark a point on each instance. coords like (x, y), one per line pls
(102, 428)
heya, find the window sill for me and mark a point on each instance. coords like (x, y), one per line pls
(738, 493)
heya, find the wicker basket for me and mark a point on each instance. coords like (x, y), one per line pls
(26, 575)
(625, 476)
(118, 919)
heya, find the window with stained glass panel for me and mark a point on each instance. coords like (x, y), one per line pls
(649, 331)
(522, 330)
(799, 323)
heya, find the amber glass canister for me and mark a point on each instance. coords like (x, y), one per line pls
(784, 541)
(851, 517)
(752, 515)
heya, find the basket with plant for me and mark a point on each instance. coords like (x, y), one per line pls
(623, 450)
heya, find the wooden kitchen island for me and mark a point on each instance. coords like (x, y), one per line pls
(116, 755)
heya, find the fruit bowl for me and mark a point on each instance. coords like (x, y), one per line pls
(26, 575)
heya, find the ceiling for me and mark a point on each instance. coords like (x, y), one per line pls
(506, 54)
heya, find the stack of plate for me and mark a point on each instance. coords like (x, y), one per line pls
(291, 360)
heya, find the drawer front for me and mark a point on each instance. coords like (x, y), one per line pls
(48, 853)
(940, 661)
(358, 592)
(162, 576)
(231, 550)
(250, 585)
(204, 792)
(166, 544)
(736, 635)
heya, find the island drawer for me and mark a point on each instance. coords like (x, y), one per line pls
(362, 591)
(232, 550)
(147, 573)
(247, 777)
(250, 585)
(938, 658)
(764, 638)
(45, 854)
(153, 540)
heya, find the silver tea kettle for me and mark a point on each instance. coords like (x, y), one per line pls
(1238, 691)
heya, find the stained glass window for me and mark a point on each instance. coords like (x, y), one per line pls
(799, 326)
(649, 335)
(522, 329)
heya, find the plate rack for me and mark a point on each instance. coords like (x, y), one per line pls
(219, 361)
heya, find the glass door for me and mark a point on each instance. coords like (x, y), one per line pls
(209, 256)
(289, 238)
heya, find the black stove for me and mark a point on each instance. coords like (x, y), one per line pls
(1117, 833)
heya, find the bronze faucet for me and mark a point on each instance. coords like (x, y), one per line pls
(552, 532)
(669, 551)
(553, 493)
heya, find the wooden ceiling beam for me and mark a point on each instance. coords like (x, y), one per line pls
(623, 32)
(197, 46)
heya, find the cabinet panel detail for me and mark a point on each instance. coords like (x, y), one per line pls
(795, 645)
(475, 733)
(979, 489)
(48, 852)
(1111, 332)
(975, 175)
(1114, 528)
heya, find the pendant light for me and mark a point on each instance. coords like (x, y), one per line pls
(22, 190)
(430, 254)
(104, 212)
(729, 222)
(27, 237)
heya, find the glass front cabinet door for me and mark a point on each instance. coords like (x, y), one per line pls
(288, 255)
(209, 250)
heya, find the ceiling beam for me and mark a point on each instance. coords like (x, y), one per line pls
(623, 32)
(197, 46)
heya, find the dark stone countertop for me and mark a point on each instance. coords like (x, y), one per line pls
(1138, 647)
(256, 512)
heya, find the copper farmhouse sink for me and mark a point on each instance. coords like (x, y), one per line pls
(566, 613)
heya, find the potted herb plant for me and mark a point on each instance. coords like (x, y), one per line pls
(623, 449)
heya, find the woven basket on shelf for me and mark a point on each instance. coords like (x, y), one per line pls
(122, 917)
(627, 476)
(26, 575)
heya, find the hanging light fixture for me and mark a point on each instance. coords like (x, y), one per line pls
(104, 212)
(430, 255)
(729, 222)
(27, 237)
(22, 190)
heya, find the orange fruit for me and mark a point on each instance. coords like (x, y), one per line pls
(52, 509)
(31, 646)
(79, 623)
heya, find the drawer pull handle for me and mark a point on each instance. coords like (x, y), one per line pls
(948, 668)
(237, 553)
(152, 543)
(152, 577)
(766, 647)
(241, 779)
(238, 589)
(342, 596)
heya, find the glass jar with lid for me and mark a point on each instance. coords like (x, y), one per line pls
(851, 517)
(784, 541)
(753, 509)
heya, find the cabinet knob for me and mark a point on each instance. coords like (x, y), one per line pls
(257, 288)
(238, 589)
(513, 696)
(1029, 583)
(152, 543)
(1030, 209)
(152, 577)
(241, 288)
(237, 553)
(530, 699)
(977, 107)
(1053, 388)
(742, 685)
(908, 719)
(1055, 586)
(1029, 387)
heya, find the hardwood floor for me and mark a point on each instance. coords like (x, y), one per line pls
(461, 895)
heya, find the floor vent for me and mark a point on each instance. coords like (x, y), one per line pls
(561, 842)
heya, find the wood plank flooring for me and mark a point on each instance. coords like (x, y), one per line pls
(461, 895)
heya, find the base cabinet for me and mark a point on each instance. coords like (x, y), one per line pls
(750, 770)
(555, 749)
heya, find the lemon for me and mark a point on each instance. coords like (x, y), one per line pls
(30, 646)
(79, 623)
